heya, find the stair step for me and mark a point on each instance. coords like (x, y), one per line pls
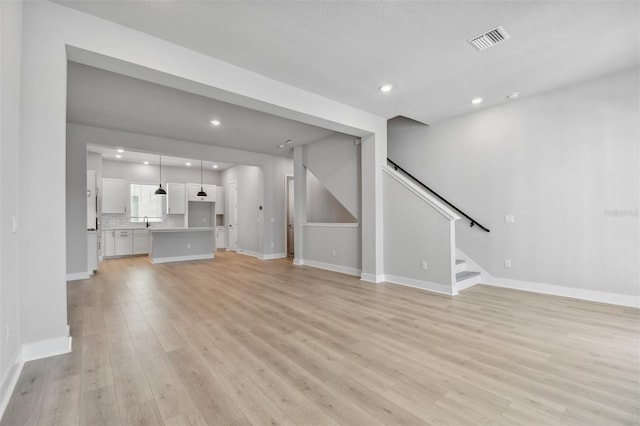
(460, 276)
(461, 265)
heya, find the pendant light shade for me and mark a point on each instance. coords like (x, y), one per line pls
(160, 190)
(201, 193)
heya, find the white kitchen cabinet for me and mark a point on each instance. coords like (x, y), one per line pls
(123, 242)
(194, 188)
(176, 198)
(108, 243)
(140, 241)
(221, 236)
(219, 200)
(115, 196)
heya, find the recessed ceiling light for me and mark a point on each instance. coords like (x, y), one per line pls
(118, 156)
(215, 122)
(288, 141)
(215, 166)
(476, 101)
(188, 164)
(513, 95)
(281, 145)
(120, 150)
(146, 162)
(386, 88)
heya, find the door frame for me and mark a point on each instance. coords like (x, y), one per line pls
(287, 176)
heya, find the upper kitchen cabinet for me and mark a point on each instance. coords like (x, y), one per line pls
(115, 196)
(194, 188)
(176, 198)
(219, 200)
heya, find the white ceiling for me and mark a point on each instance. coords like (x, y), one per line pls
(345, 50)
(129, 156)
(101, 98)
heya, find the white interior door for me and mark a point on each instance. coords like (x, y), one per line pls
(232, 205)
(290, 218)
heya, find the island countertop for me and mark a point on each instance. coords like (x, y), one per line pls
(200, 229)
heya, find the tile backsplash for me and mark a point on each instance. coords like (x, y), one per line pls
(110, 221)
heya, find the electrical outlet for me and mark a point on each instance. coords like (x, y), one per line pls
(509, 218)
(507, 263)
(271, 245)
(333, 253)
(7, 334)
(188, 245)
(424, 265)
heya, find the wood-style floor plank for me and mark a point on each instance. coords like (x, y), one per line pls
(240, 341)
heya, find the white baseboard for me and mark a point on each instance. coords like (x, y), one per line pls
(78, 276)
(249, 253)
(572, 292)
(46, 348)
(182, 258)
(329, 267)
(372, 278)
(9, 382)
(273, 256)
(423, 285)
(297, 261)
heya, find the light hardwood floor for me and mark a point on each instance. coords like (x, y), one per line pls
(237, 341)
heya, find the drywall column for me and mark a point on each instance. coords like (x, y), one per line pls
(10, 74)
(299, 203)
(374, 156)
(43, 304)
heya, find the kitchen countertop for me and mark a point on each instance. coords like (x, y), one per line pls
(201, 229)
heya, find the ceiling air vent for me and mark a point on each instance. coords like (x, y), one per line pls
(486, 40)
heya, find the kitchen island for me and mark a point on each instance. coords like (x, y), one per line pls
(180, 244)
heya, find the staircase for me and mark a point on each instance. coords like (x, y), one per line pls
(464, 278)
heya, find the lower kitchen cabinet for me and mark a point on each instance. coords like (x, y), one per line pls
(140, 241)
(108, 243)
(221, 236)
(125, 242)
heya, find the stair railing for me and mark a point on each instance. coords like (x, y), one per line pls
(472, 221)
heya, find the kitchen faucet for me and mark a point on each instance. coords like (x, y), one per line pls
(146, 218)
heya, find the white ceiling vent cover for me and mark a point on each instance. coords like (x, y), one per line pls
(491, 38)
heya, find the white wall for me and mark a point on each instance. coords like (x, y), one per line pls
(335, 162)
(250, 184)
(10, 68)
(331, 187)
(76, 196)
(416, 232)
(564, 163)
(322, 206)
(321, 241)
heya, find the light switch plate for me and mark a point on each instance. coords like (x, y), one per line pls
(509, 218)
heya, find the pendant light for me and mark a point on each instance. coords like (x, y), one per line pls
(160, 191)
(201, 193)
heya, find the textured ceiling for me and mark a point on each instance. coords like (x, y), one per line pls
(344, 50)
